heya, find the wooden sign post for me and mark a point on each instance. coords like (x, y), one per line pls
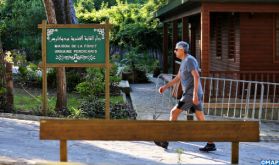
(75, 45)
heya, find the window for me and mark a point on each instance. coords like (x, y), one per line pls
(276, 54)
(231, 36)
(218, 36)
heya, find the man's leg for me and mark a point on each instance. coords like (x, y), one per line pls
(174, 113)
(210, 146)
(199, 114)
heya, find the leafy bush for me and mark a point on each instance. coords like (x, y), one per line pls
(19, 26)
(134, 23)
(94, 83)
(74, 77)
(94, 107)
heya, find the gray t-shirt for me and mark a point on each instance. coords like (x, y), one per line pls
(187, 79)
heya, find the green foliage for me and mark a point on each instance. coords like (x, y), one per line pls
(133, 23)
(2, 90)
(19, 26)
(8, 58)
(94, 107)
(51, 78)
(134, 59)
(94, 83)
(28, 71)
(89, 5)
(74, 77)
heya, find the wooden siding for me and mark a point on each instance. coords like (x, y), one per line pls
(256, 51)
(224, 63)
(205, 40)
(198, 44)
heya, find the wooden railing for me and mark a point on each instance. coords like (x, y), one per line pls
(263, 76)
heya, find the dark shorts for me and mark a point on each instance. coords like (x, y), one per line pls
(186, 102)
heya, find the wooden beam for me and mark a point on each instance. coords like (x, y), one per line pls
(184, 14)
(205, 41)
(235, 153)
(174, 41)
(63, 151)
(185, 29)
(165, 48)
(44, 69)
(107, 73)
(242, 7)
(74, 65)
(101, 26)
(146, 130)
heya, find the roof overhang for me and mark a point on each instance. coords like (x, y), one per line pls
(177, 6)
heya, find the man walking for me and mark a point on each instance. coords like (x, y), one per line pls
(192, 90)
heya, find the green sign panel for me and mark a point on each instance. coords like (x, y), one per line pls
(75, 46)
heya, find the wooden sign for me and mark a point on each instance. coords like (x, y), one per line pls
(75, 45)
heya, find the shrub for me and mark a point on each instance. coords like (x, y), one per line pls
(94, 107)
(94, 83)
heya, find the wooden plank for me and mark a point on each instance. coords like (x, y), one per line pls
(44, 69)
(150, 130)
(260, 24)
(107, 73)
(63, 151)
(174, 41)
(242, 7)
(59, 163)
(76, 25)
(205, 40)
(185, 29)
(235, 153)
(75, 65)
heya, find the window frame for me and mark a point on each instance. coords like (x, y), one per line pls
(218, 37)
(232, 29)
(275, 41)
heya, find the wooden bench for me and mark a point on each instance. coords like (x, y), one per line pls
(125, 130)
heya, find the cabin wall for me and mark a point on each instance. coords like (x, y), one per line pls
(257, 37)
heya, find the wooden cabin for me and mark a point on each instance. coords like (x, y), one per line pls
(230, 38)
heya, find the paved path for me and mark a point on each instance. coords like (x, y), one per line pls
(20, 144)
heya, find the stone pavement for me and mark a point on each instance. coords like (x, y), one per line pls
(20, 144)
(149, 103)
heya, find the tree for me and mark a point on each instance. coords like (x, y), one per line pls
(18, 21)
(133, 22)
(61, 12)
(3, 98)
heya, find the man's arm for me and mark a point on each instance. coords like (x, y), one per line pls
(171, 83)
(196, 77)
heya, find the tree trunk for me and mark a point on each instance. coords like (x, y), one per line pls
(9, 87)
(50, 12)
(3, 98)
(61, 12)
